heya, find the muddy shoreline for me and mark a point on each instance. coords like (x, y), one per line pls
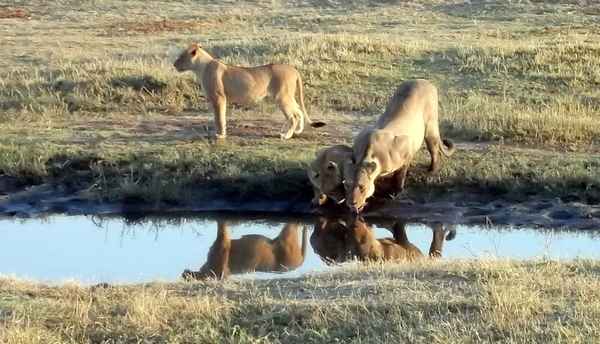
(453, 209)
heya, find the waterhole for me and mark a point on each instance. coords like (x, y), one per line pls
(112, 249)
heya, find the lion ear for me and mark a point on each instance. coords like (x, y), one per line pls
(193, 49)
(348, 157)
(370, 165)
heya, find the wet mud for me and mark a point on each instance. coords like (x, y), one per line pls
(546, 213)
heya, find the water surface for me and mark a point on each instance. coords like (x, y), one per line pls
(93, 249)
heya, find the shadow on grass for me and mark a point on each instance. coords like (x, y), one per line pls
(147, 180)
(139, 83)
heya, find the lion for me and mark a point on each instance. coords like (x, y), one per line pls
(362, 243)
(326, 173)
(222, 83)
(251, 252)
(328, 239)
(388, 147)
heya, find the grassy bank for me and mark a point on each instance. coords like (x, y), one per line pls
(480, 301)
(96, 104)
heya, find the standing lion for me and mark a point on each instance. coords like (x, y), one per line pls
(222, 83)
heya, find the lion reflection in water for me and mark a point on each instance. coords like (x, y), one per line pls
(328, 239)
(251, 252)
(338, 241)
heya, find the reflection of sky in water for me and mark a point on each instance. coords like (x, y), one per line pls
(62, 248)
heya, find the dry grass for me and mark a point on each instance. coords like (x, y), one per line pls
(479, 301)
(98, 79)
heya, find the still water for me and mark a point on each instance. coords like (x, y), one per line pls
(95, 249)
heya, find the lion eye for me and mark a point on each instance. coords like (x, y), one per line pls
(346, 185)
(361, 187)
(316, 175)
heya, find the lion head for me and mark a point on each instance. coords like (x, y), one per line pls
(326, 171)
(361, 241)
(359, 184)
(328, 179)
(187, 58)
(327, 239)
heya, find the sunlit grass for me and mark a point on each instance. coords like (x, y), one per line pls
(484, 300)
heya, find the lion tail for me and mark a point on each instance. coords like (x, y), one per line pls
(304, 242)
(448, 147)
(451, 233)
(303, 108)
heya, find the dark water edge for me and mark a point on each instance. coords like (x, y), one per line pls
(534, 213)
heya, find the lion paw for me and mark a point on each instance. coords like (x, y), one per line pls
(319, 200)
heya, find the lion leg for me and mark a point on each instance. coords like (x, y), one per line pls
(319, 198)
(217, 262)
(300, 115)
(220, 267)
(219, 104)
(437, 242)
(288, 253)
(292, 120)
(433, 146)
(398, 179)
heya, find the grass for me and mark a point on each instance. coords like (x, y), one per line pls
(480, 301)
(89, 98)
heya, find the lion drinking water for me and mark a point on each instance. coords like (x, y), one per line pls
(222, 83)
(388, 147)
(326, 173)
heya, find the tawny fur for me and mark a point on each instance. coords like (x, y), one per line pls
(388, 147)
(327, 239)
(363, 243)
(251, 253)
(326, 173)
(222, 83)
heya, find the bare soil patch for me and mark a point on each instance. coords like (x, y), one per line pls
(8, 14)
